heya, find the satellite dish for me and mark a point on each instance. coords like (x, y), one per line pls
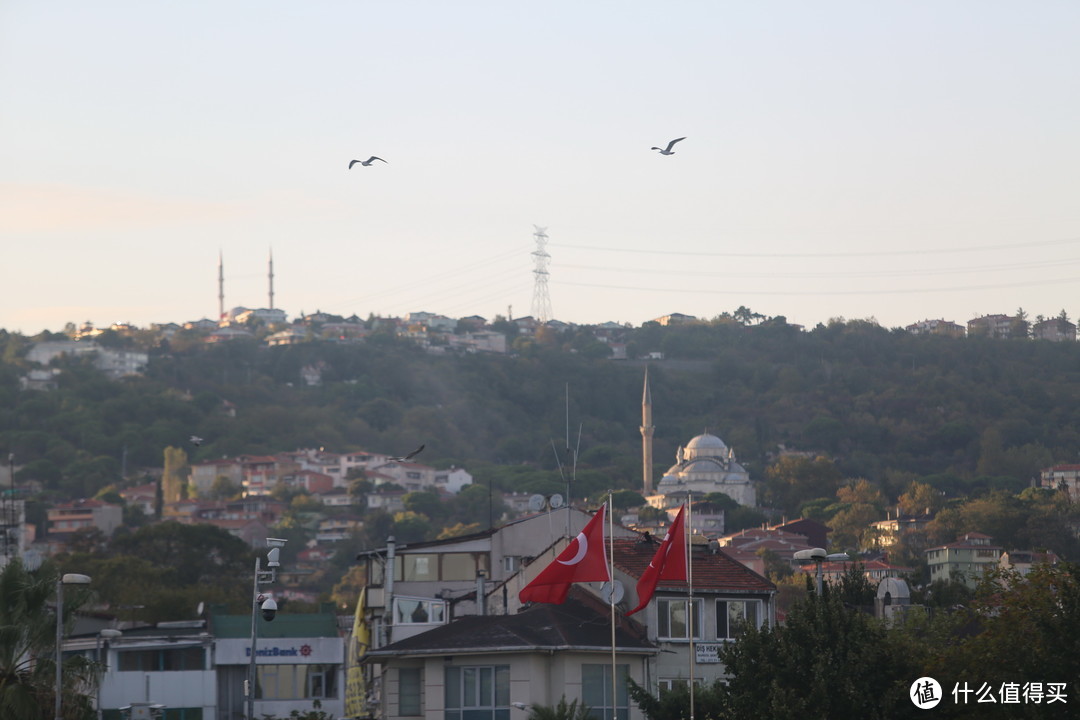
(556, 501)
(536, 503)
(613, 594)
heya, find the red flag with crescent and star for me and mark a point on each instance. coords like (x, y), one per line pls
(669, 562)
(582, 561)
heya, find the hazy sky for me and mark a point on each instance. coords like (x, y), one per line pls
(895, 160)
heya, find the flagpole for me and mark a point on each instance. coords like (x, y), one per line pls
(690, 586)
(611, 601)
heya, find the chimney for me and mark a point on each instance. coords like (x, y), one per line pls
(481, 599)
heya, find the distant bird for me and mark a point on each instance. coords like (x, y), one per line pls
(410, 456)
(196, 440)
(668, 150)
(367, 162)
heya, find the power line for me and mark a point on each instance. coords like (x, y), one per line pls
(879, 253)
(798, 293)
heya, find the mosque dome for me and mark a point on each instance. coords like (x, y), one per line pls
(706, 445)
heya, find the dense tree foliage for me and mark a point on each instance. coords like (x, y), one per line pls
(962, 414)
(28, 647)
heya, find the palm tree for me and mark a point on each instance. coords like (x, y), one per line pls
(28, 647)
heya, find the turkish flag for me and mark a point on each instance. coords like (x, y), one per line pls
(582, 561)
(669, 562)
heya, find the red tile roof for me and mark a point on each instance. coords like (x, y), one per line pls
(710, 571)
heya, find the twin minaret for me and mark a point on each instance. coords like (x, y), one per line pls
(647, 435)
(221, 284)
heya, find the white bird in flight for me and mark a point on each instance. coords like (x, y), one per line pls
(668, 150)
(367, 162)
(196, 440)
(410, 456)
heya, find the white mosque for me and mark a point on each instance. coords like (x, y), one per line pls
(704, 465)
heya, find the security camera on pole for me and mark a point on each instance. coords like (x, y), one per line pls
(264, 604)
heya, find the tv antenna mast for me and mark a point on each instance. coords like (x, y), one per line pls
(541, 304)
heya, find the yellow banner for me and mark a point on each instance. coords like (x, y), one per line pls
(355, 679)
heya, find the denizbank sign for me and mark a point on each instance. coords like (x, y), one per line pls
(235, 651)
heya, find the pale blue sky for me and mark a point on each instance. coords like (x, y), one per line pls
(896, 160)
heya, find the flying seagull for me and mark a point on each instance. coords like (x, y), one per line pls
(410, 456)
(196, 440)
(367, 162)
(668, 150)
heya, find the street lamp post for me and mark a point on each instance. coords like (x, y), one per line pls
(105, 635)
(818, 555)
(67, 579)
(267, 606)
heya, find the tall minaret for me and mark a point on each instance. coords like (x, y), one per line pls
(221, 286)
(647, 435)
(271, 279)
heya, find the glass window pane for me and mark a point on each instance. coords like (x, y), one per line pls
(487, 690)
(468, 687)
(453, 688)
(678, 620)
(409, 691)
(502, 686)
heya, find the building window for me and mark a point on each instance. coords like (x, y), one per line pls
(665, 685)
(596, 691)
(420, 567)
(478, 692)
(296, 682)
(511, 563)
(409, 691)
(162, 660)
(418, 611)
(734, 615)
(672, 621)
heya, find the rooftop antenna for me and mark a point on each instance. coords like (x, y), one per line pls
(541, 304)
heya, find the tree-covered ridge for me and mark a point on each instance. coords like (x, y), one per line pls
(968, 411)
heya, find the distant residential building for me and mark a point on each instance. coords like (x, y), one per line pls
(1054, 329)
(411, 476)
(479, 341)
(66, 518)
(268, 316)
(937, 327)
(965, 560)
(309, 481)
(292, 335)
(336, 529)
(526, 325)
(472, 323)
(874, 570)
(204, 474)
(143, 497)
(390, 501)
(1062, 477)
(895, 528)
(335, 497)
(997, 326)
(452, 480)
(40, 379)
(1022, 561)
(749, 546)
(114, 363)
(675, 319)
(227, 333)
